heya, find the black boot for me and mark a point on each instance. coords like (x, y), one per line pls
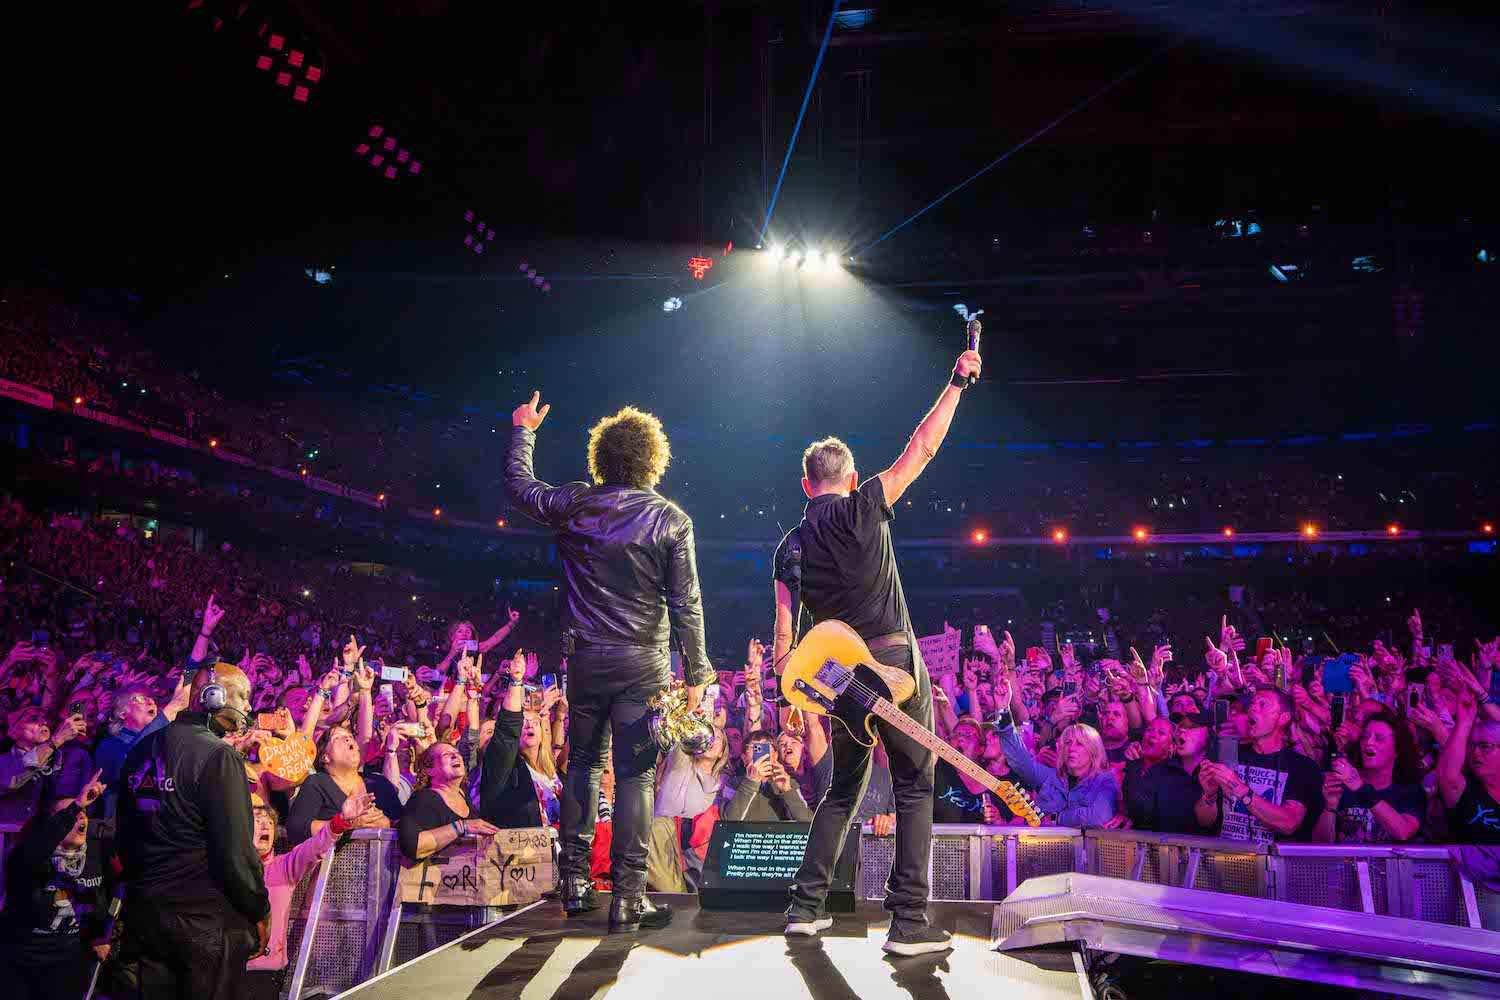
(579, 896)
(628, 914)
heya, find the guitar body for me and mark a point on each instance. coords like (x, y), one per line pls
(821, 685)
(832, 672)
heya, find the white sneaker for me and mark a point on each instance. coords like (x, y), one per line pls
(808, 928)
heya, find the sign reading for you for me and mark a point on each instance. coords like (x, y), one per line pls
(514, 866)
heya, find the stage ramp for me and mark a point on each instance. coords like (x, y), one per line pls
(1311, 944)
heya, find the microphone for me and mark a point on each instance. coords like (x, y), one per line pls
(974, 330)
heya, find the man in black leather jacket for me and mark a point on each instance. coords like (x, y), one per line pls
(195, 885)
(632, 578)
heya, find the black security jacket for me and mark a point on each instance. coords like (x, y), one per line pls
(186, 835)
(628, 554)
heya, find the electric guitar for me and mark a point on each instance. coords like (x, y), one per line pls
(832, 672)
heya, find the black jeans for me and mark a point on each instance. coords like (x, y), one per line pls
(911, 780)
(608, 687)
(188, 954)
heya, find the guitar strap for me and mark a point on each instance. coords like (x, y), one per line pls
(790, 574)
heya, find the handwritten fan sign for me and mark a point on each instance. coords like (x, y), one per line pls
(514, 866)
(290, 759)
(940, 652)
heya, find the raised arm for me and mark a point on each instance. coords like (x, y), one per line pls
(500, 633)
(930, 432)
(1450, 763)
(526, 493)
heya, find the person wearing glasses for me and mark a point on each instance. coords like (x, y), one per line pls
(1471, 794)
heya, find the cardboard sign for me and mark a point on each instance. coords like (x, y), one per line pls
(940, 652)
(290, 759)
(514, 866)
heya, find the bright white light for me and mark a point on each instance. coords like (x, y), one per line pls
(775, 251)
(671, 305)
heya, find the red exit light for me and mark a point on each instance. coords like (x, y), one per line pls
(700, 266)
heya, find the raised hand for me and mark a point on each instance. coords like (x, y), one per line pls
(1333, 790)
(354, 654)
(212, 615)
(92, 790)
(305, 669)
(517, 667)
(19, 653)
(527, 415)
(1137, 668)
(69, 729)
(1007, 652)
(550, 697)
(330, 680)
(968, 364)
(512, 616)
(1414, 623)
(364, 677)
(756, 655)
(780, 780)
(356, 805)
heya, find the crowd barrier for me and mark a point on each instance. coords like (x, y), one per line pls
(347, 927)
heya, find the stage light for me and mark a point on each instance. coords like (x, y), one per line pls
(306, 593)
(1140, 534)
(979, 537)
(1393, 529)
(776, 252)
(500, 523)
(381, 498)
(1310, 530)
(437, 512)
(1228, 532)
(213, 442)
(77, 400)
(1489, 529)
(1059, 535)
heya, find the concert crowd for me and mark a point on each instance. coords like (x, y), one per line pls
(406, 720)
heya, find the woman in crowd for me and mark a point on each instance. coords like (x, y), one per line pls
(337, 777)
(1471, 795)
(1082, 790)
(687, 788)
(52, 929)
(1377, 797)
(439, 812)
(265, 973)
(505, 786)
(536, 750)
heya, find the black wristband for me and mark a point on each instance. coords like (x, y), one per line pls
(958, 381)
(1365, 797)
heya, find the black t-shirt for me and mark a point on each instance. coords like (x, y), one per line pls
(1161, 798)
(952, 802)
(848, 563)
(1279, 777)
(319, 799)
(425, 810)
(1475, 818)
(1355, 824)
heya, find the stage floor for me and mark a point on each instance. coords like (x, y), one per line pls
(536, 954)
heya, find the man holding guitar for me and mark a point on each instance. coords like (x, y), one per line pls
(841, 562)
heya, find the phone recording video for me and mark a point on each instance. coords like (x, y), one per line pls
(761, 751)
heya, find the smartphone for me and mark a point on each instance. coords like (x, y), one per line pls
(761, 752)
(1070, 688)
(79, 707)
(1445, 651)
(471, 645)
(981, 629)
(388, 697)
(1262, 647)
(268, 720)
(397, 674)
(1414, 697)
(1221, 713)
(1336, 712)
(39, 638)
(548, 681)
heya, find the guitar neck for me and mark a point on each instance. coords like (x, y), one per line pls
(911, 727)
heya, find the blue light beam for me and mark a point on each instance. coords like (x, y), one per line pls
(827, 34)
(1111, 85)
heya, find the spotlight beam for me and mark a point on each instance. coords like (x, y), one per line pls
(817, 65)
(1111, 85)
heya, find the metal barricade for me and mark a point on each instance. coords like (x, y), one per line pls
(968, 862)
(1418, 882)
(347, 923)
(1179, 860)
